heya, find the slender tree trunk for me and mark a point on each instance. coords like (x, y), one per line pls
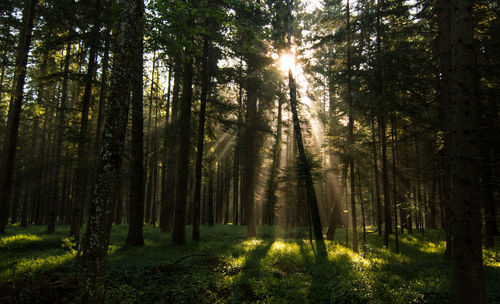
(272, 183)
(210, 199)
(385, 183)
(394, 185)
(304, 166)
(149, 161)
(205, 89)
(183, 131)
(16, 100)
(375, 180)
(136, 203)
(362, 206)
(250, 153)
(103, 93)
(166, 136)
(350, 137)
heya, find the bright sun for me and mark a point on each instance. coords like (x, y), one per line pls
(287, 62)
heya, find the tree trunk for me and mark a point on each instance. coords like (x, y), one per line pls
(394, 184)
(164, 194)
(168, 200)
(385, 183)
(273, 175)
(184, 132)
(15, 105)
(350, 137)
(250, 153)
(136, 203)
(304, 166)
(237, 160)
(149, 161)
(96, 238)
(375, 180)
(467, 280)
(205, 89)
(103, 93)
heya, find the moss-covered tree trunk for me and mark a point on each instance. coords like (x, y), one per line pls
(96, 238)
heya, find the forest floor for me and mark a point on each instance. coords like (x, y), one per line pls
(224, 267)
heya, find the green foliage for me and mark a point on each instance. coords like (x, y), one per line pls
(227, 268)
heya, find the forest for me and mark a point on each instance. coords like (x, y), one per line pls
(249, 151)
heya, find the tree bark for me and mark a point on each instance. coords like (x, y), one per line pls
(96, 238)
(467, 280)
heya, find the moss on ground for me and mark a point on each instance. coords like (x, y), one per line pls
(225, 267)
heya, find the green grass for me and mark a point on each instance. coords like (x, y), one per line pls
(224, 267)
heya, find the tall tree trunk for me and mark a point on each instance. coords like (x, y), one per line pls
(361, 203)
(210, 199)
(467, 280)
(15, 105)
(350, 137)
(375, 180)
(137, 177)
(304, 166)
(237, 159)
(183, 133)
(96, 238)
(149, 161)
(273, 175)
(103, 93)
(394, 185)
(250, 153)
(205, 89)
(385, 183)
(166, 136)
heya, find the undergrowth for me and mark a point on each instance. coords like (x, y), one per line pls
(278, 267)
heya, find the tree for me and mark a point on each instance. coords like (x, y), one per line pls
(184, 136)
(467, 259)
(136, 208)
(96, 237)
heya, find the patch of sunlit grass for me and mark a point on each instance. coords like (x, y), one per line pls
(491, 258)
(281, 246)
(7, 241)
(45, 262)
(249, 245)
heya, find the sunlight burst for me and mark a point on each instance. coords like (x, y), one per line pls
(287, 62)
